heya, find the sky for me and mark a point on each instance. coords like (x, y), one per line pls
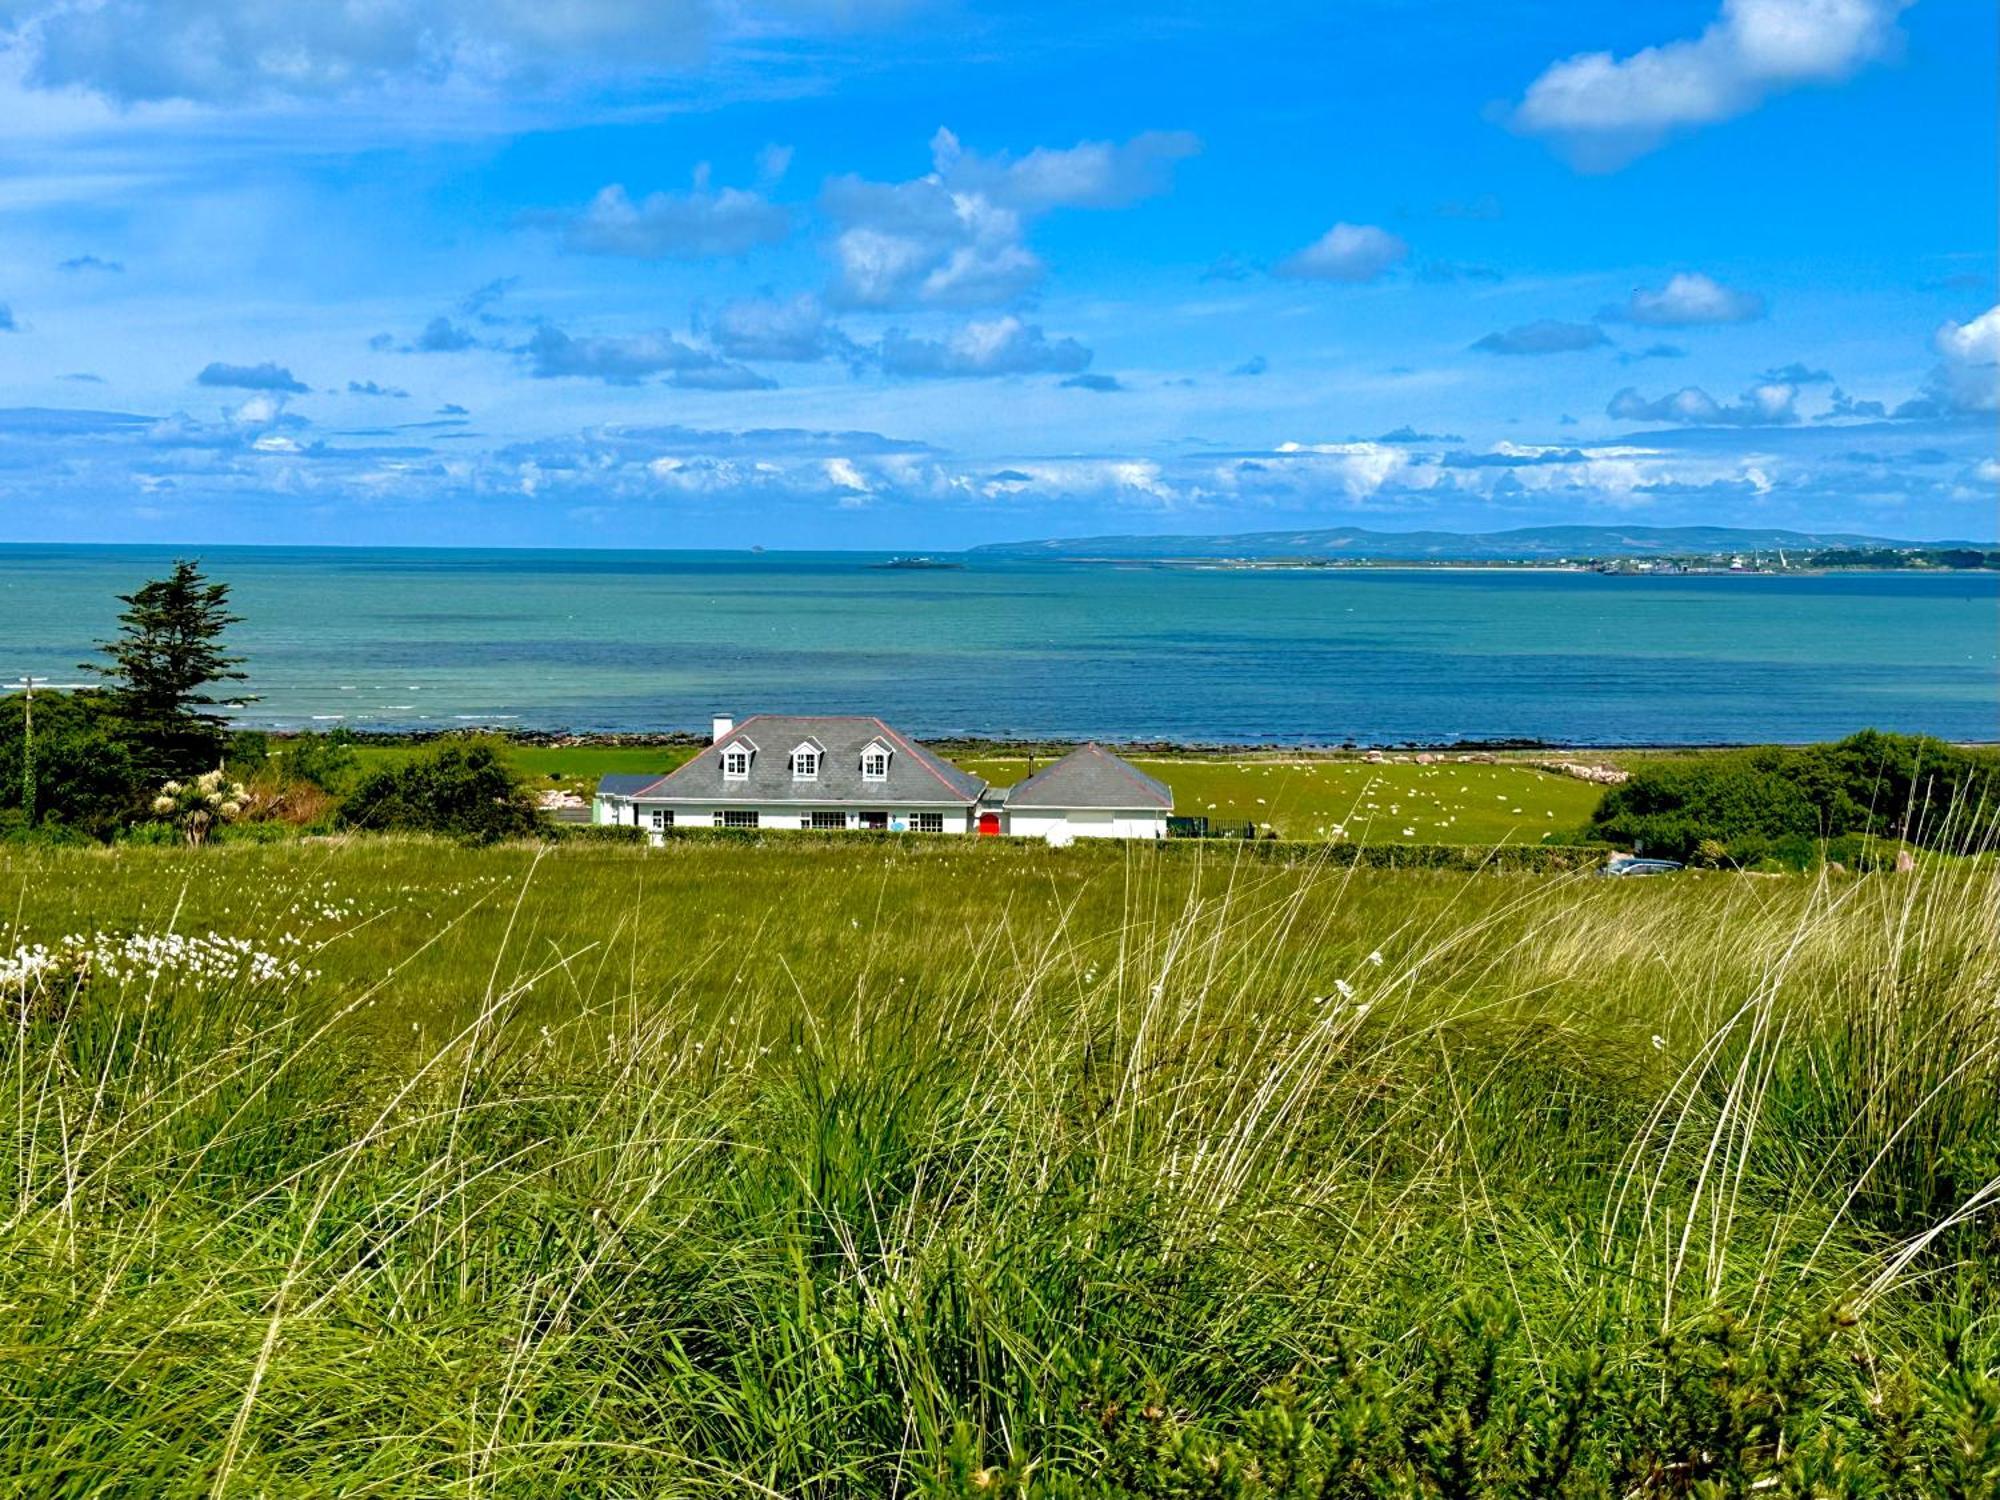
(919, 274)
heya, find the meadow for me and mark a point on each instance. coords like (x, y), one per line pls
(388, 1167)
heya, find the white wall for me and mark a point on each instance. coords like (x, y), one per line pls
(957, 819)
(1036, 823)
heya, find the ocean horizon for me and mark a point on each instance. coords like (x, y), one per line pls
(615, 641)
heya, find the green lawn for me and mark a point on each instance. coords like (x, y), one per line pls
(1390, 802)
(954, 1168)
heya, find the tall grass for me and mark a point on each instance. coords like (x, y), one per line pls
(829, 1172)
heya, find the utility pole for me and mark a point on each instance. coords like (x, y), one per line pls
(26, 687)
(28, 751)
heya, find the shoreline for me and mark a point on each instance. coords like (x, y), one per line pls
(1042, 745)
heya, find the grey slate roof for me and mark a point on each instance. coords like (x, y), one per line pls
(624, 783)
(915, 775)
(1092, 777)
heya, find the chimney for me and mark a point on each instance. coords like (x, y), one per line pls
(719, 728)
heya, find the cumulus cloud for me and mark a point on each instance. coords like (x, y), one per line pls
(370, 388)
(1967, 378)
(700, 224)
(1091, 174)
(1001, 346)
(1346, 252)
(263, 377)
(1605, 110)
(1544, 336)
(956, 237)
(7, 323)
(1768, 405)
(792, 329)
(1102, 384)
(90, 263)
(1256, 364)
(1688, 300)
(554, 354)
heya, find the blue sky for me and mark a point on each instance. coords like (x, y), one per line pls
(913, 273)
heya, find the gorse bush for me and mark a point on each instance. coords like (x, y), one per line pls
(466, 791)
(955, 1168)
(1778, 800)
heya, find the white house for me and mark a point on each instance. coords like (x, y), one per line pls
(857, 773)
(1089, 793)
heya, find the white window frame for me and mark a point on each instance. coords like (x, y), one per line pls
(877, 757)
(927, 822)
(805, 763)
(662, 818)
(827, 820)
(736, 817)
(736, 763)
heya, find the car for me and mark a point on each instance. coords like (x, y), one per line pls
(1642, 867)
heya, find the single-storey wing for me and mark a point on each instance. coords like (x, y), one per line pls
(1089, 793)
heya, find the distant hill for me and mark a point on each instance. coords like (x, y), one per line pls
(1529, 543)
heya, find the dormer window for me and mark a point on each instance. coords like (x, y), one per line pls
(736, 763)
(805, 762)
(875, 762)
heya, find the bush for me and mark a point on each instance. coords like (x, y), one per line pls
(465, 791)
(323, 760)
(1780, 802)
(84, 774)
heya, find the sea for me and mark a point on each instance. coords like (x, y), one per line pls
(604, 641)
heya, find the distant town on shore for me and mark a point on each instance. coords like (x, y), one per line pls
(1603, 549)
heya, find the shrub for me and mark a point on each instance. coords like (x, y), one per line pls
(84, 775)
(462, 790)
(1778, 802)
(323, 760)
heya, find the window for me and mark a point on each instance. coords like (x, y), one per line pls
(826, 820)
(876, 820)
(663, 819)
(735, 763)
(924, 822)
(875, 763)
(736, 817)
(805, 764)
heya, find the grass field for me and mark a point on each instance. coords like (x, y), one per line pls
(1389, 802)
(955, 1168)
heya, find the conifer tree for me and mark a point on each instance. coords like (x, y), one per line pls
(168, 652)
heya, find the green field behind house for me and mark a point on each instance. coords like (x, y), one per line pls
(958, 1168)
(1393, 801)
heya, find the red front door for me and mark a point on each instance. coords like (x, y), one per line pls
(989, 824)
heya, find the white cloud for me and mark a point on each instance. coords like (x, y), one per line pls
(1967, 378)
(1347, 252)
(1688, 299)
(1606, 110)
(695, 225)
(1001, 346)
(793, 329)
(1768, 405)
(956, 237)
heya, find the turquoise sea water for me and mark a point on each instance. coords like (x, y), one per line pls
(387, 638)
